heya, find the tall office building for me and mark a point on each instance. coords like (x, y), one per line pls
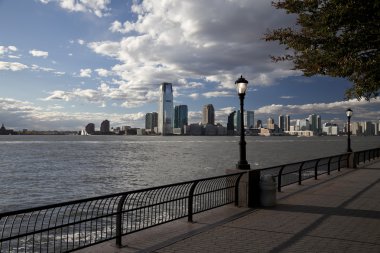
(249, 119)
(180, 116)
(287, 123)
(270, 123)
(105, 127)
(208, 115)
(165, 109)
(90, 128)
(315, 123)
(151, 120)
(281, 122)
(230, 123)
(302, 125)
(237, 121)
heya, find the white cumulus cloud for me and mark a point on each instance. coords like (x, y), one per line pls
(39, 53)
(13, 66)
(183, 42)
(97, 7)
(85, 73)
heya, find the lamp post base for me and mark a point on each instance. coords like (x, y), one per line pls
(243, 165)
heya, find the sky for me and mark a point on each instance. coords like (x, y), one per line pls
(66, 63)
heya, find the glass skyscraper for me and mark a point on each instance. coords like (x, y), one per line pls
(151, 120)
(180, 116)
(287, 123)
(165, 109)
(208, 115)
(249, 119)
(281, 122)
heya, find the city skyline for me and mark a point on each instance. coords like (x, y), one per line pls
(64, 64)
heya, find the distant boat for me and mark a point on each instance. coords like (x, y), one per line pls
(83, 132)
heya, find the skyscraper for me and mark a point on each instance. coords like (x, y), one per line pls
(151, 120)
(165, 111)
(249, 119)
(180, 116)
(287, 123)
(270, 123)
(281, 122)
(230, 123)
(237, 121)
(315, 123)
(208, 115)
(90, 128)
(105, 127)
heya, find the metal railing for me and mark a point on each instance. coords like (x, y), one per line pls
(299, 171)
(78, 224)
(364, 156)
(74, 225)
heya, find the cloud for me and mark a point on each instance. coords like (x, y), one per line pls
(18, 114)
(184, 42)
(131, 97)
(81, 42)
(133, 116)
(106, 48)
(85, 73)
(103, 72)
(194, 95)
(287, 97)
(97, 7)
(217, 94)
(38, 68)
(7, 51)
(363, 109)
(38, 53)
(222, 114)
(195, 117)
(13, 66)
(12, 48)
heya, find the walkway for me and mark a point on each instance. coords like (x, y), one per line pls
(337, 213)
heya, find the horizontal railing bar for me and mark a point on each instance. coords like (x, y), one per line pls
(152, 205)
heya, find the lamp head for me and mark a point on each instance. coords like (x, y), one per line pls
(349, 112)
(241, 85)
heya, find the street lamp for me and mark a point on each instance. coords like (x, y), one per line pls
(349, 114)
(241, 87)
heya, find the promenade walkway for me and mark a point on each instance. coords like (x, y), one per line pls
(337, 213)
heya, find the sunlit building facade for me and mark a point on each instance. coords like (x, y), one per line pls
(165, 109)
(208, 115)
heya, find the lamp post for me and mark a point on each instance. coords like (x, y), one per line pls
(241, 87)
(349, 114)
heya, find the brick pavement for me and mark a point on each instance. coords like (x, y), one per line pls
(338, 213)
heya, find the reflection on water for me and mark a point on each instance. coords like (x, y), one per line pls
(37, 170)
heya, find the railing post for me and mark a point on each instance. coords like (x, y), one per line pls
(254, 188)
(190, 202)
(316, 169)
(279, 178)
(237, 189)
(119, 221)
(329, 166)
(300, 173)
(339, 162)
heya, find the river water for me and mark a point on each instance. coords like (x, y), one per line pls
(38, 170)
